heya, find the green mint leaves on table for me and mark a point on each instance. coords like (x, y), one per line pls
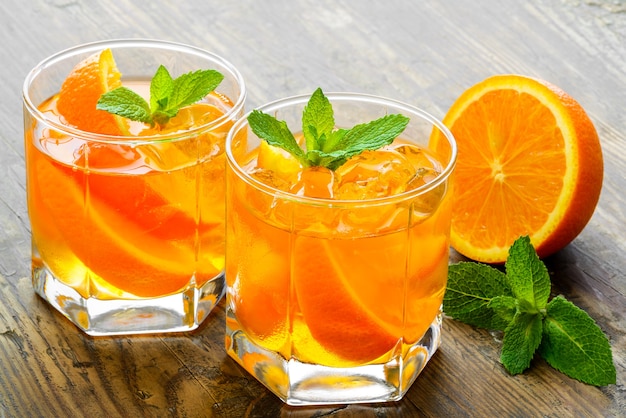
(167, 96)
(518, 304)
(326, 146)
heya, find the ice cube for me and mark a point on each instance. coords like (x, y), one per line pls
(426, 167)
(374, 174)
(316, 182)
(269, 178)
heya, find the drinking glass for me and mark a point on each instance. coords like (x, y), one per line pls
(128, 231)
(338, 300)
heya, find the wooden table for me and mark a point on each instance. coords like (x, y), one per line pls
(425, 53)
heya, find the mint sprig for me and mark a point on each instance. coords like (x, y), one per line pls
(326, 145)
(517, 302)
(167, 96)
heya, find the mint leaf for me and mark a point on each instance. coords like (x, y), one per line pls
(367, 136)
(521, 339)
(126, 103)
(335, 137)
(505, 307)
(332, 160)
(470, 290)
(326, 145)
(563, 334)
(167, 96)
(275, 132)
(574, 344)
(527, 275)
(192, 87)
(371, 135)
(161, 88)
(318, 120)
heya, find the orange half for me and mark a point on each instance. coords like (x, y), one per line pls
(529, 163)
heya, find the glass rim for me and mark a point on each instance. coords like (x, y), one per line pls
(302, 99)
(93, 47)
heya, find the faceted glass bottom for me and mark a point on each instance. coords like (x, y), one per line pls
(298, 383)
(183, 311)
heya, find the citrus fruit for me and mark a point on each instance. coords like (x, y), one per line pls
(262, 279)
(81, 90)
(281, 162)
(529, 163)
(337, 317)
(108, 243)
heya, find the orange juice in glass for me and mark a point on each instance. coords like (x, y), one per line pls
(335, 276)
(127, 217)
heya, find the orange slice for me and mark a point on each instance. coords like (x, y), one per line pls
(278, 160)
(336, 316)
(81, 90)
(529, 163)
(122, 252)
(261, 278)
(162, 204)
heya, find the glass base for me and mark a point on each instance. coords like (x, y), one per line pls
(183, 311)
(298, 383)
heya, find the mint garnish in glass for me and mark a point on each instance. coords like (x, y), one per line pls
(326, 145)
(167, 96)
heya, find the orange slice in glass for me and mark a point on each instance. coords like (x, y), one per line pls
(119, 251)
(335, 314)
(81, 91)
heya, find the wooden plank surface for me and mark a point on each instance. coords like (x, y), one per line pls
(425, 53)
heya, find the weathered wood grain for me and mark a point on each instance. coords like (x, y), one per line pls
(425, 53)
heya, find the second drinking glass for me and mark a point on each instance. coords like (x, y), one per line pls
(336, 273)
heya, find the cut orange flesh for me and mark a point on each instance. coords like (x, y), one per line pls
(333, 312)
(81, 91)
(529, 163)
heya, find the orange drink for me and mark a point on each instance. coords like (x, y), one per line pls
(335, 277)
(127, 217)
